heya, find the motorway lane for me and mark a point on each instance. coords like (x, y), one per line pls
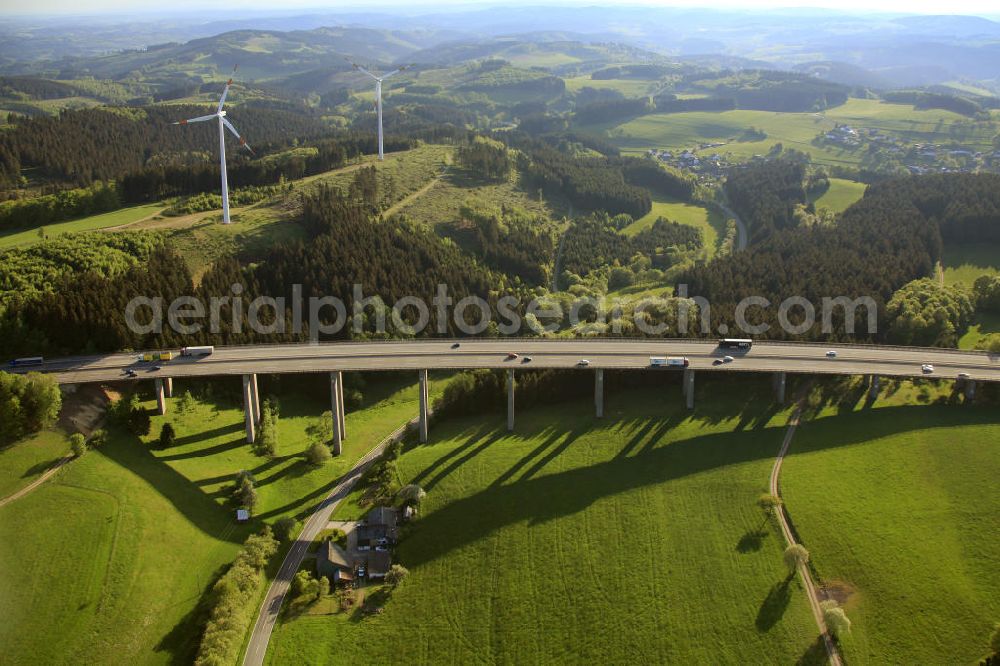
(608, 353)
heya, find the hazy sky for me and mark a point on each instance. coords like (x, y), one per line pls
(979, 7)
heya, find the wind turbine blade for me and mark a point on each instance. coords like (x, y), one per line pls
(196, 120)
(395, 71)
(225, 91)
(229, 126)
(360, 68)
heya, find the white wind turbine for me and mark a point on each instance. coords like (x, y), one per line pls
(223, 125)
(378, 97)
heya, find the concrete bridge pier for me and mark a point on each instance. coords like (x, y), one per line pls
(970, 389)
(255, 399)
(874, 382)
(689, 387)
(248, 409)
(161, 401)
(599, 392)
(340, 405)
(336, 384)
(510, 400)
(780, 380)
(424, 407)
(168, 387)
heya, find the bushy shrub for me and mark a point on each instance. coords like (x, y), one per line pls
(78, 444)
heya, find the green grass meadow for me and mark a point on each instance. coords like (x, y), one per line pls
(578, 540)
(711, 223)
(118, 548)
(24, 461)
(962, 264)
(840, 195)
(674, 131)
(94, 222)
(896, 509)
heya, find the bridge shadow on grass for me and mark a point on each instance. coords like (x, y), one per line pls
(553, 437)
(203, 435)
(470, 440)
(258, 471)
(207, 451)
(538, 499)
(774, 605)
(305, 504)
(187, 498)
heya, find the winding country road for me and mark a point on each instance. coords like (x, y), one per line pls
(270, 609)
(742, 237)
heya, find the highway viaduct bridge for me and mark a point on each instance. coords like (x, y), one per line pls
(600, 354)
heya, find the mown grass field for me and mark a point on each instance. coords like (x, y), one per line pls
(118, 548)
(24, 461)
(635, 538)
(711, 223)
(794, 130)
(627, 87)
(963, 263)
(91, 223)
(840, 195)
(896, 509)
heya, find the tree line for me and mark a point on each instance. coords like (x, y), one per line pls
(28, 403)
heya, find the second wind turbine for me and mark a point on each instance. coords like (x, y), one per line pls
(378, 97)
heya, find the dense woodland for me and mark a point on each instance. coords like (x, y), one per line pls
(594, 241)
(80, 147)
(589, 183)
(888, 239)
(485, 159)
(766, 195)
(510, 242)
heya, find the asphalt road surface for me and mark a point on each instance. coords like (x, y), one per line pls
(609, 353)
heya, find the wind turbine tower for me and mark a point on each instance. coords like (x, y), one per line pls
(378, 98)
(224, 124)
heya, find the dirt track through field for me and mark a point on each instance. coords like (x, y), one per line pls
(807, 581)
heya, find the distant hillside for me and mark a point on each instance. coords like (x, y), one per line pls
(261, 54)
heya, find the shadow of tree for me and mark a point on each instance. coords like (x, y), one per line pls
(815, 655)
(39, 468)
(183, 639)
(751, 542)
(774, 605)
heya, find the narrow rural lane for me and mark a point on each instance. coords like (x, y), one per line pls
(267, 616)
(807, 581)
(742, 238)
(37, 482)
